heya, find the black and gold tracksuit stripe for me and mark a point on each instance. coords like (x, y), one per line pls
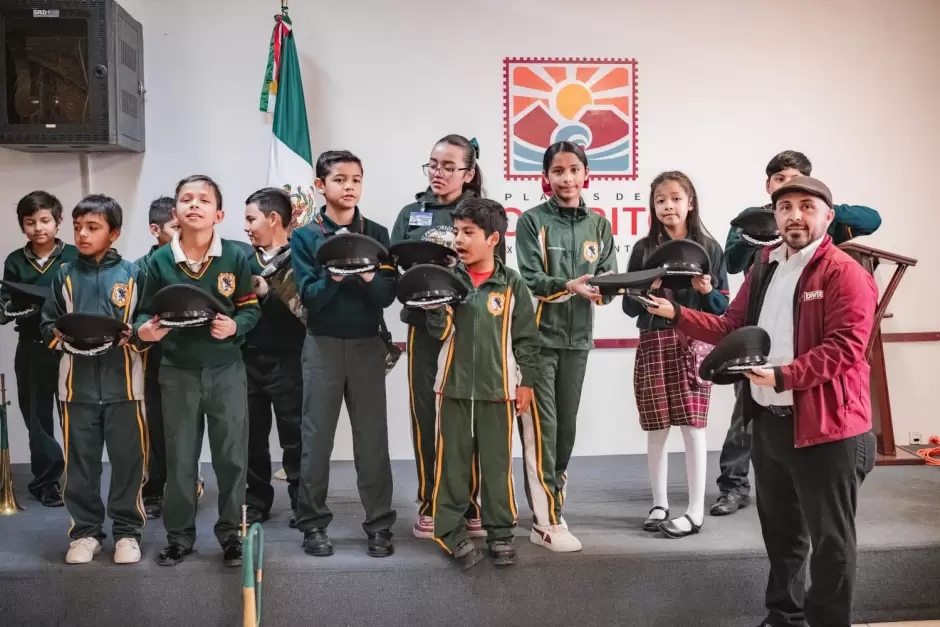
(102, 400)
(489, 339)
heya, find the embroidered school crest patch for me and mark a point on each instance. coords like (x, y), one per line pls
(496, 302)
(119, 294)
(226, 284)
(590, 251)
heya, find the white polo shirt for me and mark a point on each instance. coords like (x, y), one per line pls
(776, 316)
(195, 265)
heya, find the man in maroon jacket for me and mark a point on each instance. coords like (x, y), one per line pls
(812, 443)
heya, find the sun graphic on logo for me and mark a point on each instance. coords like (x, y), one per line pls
(590, 103)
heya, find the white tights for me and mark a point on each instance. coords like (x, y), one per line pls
(695, 463)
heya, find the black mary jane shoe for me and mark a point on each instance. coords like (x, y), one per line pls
(172, 554)
(671, 530)
(380, 544)
(652, 524)
(232, 552)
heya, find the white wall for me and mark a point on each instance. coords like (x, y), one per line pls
(723, 86)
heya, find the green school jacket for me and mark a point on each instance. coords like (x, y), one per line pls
(350, 308)
(20, 267)
(195, 347)
(109, 288)
(850, 221)
(554, 245)
(490, 340)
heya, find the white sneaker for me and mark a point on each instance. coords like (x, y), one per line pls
(563, 523)
(126, 551)
(424, 528)
(555, 538)
(82, 551)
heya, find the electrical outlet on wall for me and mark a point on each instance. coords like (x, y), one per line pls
(915, 438)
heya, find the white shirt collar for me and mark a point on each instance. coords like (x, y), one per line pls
(801, 257)
(215, 249)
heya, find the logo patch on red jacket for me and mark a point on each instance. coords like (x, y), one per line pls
(814, 295)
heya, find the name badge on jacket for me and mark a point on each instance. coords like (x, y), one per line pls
(419, 218)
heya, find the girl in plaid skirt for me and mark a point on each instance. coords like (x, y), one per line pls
(668, 390)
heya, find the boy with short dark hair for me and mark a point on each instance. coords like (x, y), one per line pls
(850, 221)
(272, 353)
(101, 394)
(202, 371)
(343, 359)
(163, 226)
(489, 339)
(39, 215)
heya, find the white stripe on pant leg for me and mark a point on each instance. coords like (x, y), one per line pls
(531, 467)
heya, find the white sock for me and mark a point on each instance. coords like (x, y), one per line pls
(658, 465)
(695, 464)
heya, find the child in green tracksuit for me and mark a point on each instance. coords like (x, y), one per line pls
(489, 340)
(560, 244)
(36, 367)
(101, 394)
(202, 372)
(453, 175)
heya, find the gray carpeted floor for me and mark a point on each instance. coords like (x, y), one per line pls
(623, 577)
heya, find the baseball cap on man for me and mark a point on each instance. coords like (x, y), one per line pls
(806, 184)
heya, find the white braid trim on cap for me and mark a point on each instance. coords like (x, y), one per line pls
(757, 242)
(427, 303)
(23, 313)
(342, 272)
(745, 367)
(184, 323)
(88, 353)
(684, 272)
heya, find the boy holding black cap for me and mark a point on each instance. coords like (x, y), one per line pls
(344, 358)
(489, 339)
(849, 221)
(39, 214)
(101, 394)
(202, 372)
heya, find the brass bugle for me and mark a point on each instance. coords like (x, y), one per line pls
(8, 504)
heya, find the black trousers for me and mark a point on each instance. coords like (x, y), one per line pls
(274, 379)
(37, 377)
(735, 460)
(808, 497)
(353, 370)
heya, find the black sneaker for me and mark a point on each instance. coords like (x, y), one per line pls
(317, 543)
(380, 544)
(232, 552)
(172, 554)
(467, 554)
(153, 506)
(503, 552)
(254, 515)
(292, 523)
(50, 496)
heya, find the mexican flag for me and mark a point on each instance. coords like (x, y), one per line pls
(291, 162)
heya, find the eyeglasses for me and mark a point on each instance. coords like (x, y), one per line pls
(446, 171)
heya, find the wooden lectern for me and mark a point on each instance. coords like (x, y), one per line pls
(871, 258)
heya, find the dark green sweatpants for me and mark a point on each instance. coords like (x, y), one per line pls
(423, 353)
(548, 431)
(219, 393)
(37, 375)
(88, 428)
(481, 430)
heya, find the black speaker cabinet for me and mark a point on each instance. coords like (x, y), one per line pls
(72, 77)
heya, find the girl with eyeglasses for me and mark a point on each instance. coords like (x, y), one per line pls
(453, 175)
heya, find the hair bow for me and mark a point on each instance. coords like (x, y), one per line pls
(476, 147)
